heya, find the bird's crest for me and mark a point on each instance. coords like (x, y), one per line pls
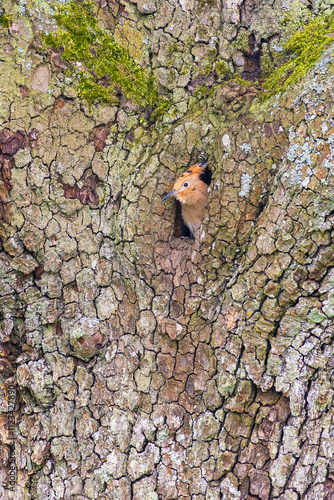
(198, 171)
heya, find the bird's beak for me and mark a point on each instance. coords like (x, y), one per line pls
(172, 193)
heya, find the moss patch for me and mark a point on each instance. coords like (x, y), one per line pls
(221, 68)
(241, 42)
(103, 66)
(304, 48)
(5, 21)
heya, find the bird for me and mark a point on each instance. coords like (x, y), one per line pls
(191, 190)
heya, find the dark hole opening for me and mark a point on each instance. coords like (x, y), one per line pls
(180, 229)
(252, 69)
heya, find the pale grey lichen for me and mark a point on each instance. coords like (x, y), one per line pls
(226, 140)
(246, 181)
(245, 147)
(324, 127)
(277, 48)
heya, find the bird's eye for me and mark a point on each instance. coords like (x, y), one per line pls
(186, 184)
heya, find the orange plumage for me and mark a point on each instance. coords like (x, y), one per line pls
(191, 190)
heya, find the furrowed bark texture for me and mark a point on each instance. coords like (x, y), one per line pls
(147, 366)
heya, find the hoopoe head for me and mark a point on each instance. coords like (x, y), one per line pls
(192, 187)
(191, 190)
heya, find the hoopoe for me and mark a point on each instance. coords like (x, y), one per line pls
(191, 190)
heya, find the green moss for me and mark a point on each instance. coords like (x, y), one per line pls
(241, 42)
(200, 92)
(304, 48)
(105, 66)
(5, 21)
(242, 82)
(221, 68)
(212, 54)
(189, 42)
(207, 67)
(173, 48)
(267, 64)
